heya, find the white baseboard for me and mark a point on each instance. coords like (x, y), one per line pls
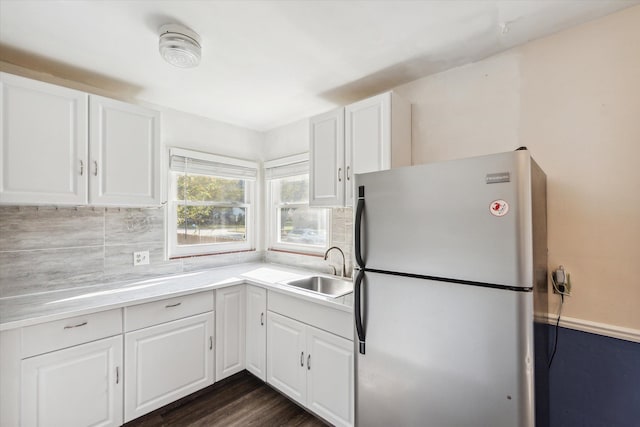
(620, 332)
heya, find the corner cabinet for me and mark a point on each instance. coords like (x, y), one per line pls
(370, 135)
(65, 147)
(230, 330)
(256, 338)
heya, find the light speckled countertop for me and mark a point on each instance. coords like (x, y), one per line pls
(16, 312)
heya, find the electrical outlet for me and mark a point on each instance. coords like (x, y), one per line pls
(141, 258)
(561, 281)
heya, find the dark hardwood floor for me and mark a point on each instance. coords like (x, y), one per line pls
(240, 400)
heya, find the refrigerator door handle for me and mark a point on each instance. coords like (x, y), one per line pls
(358, 226)
(357, 311)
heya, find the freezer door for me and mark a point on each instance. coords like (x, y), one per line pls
(466, 219)
(444, 355)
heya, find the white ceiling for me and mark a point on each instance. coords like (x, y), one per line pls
(268, 63)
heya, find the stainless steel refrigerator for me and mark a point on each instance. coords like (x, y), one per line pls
(451, 276)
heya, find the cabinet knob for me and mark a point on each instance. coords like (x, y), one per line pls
(348, 174)
(308, 362)
(339, 174)
(173, 305)
(261, 319)
(302, 358)
(210, 343)
(95, 164)
(117, 374)
(81, 167)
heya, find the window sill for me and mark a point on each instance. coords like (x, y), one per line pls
(211, 254)
(297, 252)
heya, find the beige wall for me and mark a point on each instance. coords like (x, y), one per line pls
(574, 99)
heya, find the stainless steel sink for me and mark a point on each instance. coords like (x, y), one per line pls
(329, 286)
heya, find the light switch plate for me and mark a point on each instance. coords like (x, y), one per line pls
(141, 258)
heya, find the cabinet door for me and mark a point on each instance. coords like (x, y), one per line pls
(326, 171)
(166, 362)
(367, 138)
(43, 143)
(286, 356)
(78, 386)
(230, 330)
(256, 343)
(124, 152)
(330, 391)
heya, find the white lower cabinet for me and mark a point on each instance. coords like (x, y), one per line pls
(256, 332)
(312, 367)
(285, 356)
(77, 386)
(230, 330)
(330, 376)
(168, 351)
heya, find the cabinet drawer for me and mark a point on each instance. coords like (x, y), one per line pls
(154, 313)
(50, 336)
(335, 321)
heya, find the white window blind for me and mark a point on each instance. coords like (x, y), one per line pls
(209, 164)
(287, 166)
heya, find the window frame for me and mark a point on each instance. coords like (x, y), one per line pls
(273, 219)
(180, 251)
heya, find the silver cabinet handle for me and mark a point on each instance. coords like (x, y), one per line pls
(172, 305)
(302, 358)
(308, 362)
(210, 343)
(95, 172)
(81, 167)
(261, 319)
(76, 326)
(339, 174)
(348, 174)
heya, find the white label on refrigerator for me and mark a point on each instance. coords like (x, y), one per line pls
(499, 208)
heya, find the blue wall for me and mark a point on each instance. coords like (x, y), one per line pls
(594, 381)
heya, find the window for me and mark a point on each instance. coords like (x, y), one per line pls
(210, 203)
(293, 225)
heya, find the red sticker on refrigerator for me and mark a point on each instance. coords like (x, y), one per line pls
(499, 208)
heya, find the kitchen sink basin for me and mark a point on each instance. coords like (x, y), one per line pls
(329, 286)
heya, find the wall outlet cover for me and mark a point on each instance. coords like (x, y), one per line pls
(141, 258)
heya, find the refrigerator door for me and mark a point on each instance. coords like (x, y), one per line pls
(444, 355)
(466, 219)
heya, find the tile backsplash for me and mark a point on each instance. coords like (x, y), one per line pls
(53, 248)
(48, 248)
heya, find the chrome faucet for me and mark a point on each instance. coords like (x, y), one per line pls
(344, 267)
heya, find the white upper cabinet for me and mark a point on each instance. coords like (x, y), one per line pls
(65, 147)
(124, 148)
(370, 135)
(326, 166)
(377, 137)
(43, 143)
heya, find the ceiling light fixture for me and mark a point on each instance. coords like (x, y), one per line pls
(179, 46)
